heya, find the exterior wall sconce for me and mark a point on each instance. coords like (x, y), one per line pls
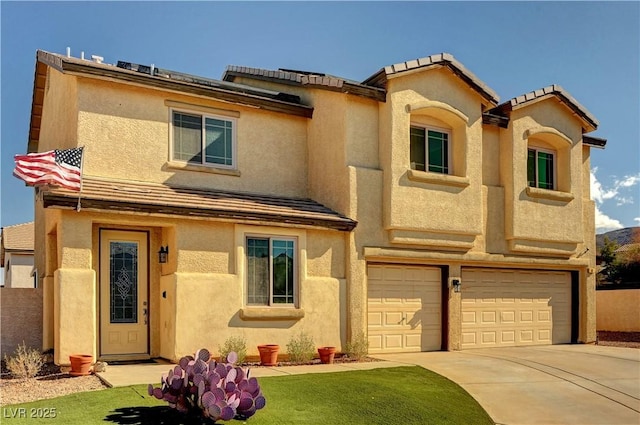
(163, 254)
(456, 284)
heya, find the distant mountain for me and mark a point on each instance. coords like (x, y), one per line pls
(620, 236)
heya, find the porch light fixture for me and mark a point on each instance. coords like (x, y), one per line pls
(163, 254)
(456, 285)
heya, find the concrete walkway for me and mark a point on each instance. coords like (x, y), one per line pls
(559, 384)
(148, 373)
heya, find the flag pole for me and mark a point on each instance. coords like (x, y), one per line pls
(81, 179)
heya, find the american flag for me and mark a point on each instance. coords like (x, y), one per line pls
(56, 167)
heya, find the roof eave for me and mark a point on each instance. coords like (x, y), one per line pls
(347, 87)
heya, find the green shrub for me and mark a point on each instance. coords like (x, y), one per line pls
(26, 362)
(358, 347)
(236, 344)
(301, 348)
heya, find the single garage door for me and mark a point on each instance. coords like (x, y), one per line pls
(404, 305)
(515, 307)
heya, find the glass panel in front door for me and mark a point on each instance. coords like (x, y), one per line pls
(123, 285)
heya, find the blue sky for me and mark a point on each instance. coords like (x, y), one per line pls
(592, 49)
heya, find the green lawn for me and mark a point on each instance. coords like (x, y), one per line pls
(401, 395)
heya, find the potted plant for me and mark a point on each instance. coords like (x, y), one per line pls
(327, 354)
(80, 364)
(268, 354)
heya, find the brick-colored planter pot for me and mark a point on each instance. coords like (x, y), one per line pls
(80, 364)
(327, 354)
(268, 354)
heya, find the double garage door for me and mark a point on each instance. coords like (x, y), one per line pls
(515, 307)
(500, 307)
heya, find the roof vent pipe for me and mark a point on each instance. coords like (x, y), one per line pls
(97, 59)
(153, 68)
(82, 55)
(68, 52)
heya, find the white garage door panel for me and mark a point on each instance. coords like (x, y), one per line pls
(404, 309)
(515, 307)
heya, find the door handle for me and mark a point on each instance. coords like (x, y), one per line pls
(144, 313)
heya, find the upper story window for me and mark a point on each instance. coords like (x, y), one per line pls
(429, 149)
(204, 139)
(271, 271)
(541, 168)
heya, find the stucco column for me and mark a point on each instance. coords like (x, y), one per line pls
(47, 313)
(74, 313)
(455, 308)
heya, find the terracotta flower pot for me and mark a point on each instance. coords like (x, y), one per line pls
(268, 354)
(327, 354)
(80, 364)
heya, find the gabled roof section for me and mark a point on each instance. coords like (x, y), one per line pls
(379, 79)
(17, 238)
(307, 79)
(109, 195)
(590, 123)
(159, 78)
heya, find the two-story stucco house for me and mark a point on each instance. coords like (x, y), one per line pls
(413, 207)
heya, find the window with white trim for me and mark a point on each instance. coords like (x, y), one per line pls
(204, 139)
(429, 149)
(541, 168)
(271, 271)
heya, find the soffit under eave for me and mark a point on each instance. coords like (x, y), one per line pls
(37, 101)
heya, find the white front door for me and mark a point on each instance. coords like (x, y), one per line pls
(124, 304)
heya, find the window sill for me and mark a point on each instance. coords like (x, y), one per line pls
(202, 168)
(554, 195)
(435, 178)
(271, 313)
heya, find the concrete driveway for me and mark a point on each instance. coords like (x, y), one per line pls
(558, 384)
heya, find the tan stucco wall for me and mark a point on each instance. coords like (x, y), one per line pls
(426, 212)
(271, 147)
(540, 224)
(617, 310)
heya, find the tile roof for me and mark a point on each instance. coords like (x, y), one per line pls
(103, 194)
(546, 92)
(305, 78)
(18, 237)
(163, 79)
(380, 78)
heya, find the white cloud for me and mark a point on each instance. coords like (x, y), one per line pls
(604, 223)
(601, 194)
(628, 181)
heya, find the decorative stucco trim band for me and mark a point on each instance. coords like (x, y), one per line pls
(547, 130)
(426, 104)
(265, 313)
(554, 195)
(435, 178)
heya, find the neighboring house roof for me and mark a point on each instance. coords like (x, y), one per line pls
(379, 79)
(102, 194)
(591, 123)
(16, 238)
(158, 78)
(306, 78)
